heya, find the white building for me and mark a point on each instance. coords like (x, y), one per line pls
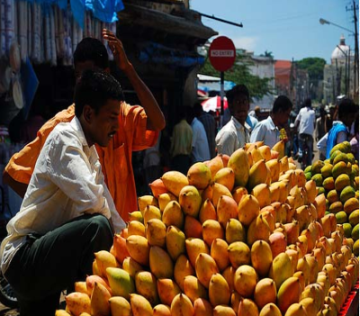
(339, 75)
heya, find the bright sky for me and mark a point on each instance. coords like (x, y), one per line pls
(287, 28)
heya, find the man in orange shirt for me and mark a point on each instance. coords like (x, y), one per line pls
(139, 128)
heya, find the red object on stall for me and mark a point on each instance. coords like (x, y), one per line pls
(351, 305)
(222, 53)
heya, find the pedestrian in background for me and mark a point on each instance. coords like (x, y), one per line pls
(181, 141)
(210, 126)
(305, 122)
(321, 128)
(255, 112)
(268, 130)
(237, 131)
(200, 146)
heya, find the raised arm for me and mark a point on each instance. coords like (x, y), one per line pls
(156, 120)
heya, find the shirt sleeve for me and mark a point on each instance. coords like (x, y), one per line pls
(22, 164)
(258, 134)
(321, 144)
(69, 169)
(136, 124)
(341, 137)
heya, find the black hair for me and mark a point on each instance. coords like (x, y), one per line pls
(95, 88)
(346, 107)
(198, 109)
(91, 49)
(239, 89)
(307, 103)
(281, 103)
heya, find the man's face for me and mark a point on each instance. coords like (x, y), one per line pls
(239, 108)
(282, 117)
(104, 124)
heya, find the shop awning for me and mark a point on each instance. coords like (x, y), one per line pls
(209, 83)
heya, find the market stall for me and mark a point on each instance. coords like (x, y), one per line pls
(249, 234)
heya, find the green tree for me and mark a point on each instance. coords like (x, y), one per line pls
(240, 74)
(315, 69)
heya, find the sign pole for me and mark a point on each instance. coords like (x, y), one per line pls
(222, 92)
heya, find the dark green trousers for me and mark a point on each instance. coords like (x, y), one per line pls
(49, 264)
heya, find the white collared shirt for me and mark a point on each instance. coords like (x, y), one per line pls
(67, 182)
(232, 136)
(267, 132)
(306, 120)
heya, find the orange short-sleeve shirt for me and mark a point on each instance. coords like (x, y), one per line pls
(116, 158)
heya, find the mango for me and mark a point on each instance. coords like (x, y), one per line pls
(146, 200)
(239, 254)
(355, 232)
(146, 286)
(247, 307)
(215, 164)
(341, 182)
(151, 212)
(195, 246)
(134, 228)
(161, 310)
(274, 167)
(167, 289)
(265, 292)
(226, 177)
(281, 269)
(222, 310)
(245, 280)
(190, 200)
(278, 243)
(138, 248)
(157, 188)
(207, 211)
(265, 152)
(296, 309)
(156, 232)
(329, 183)
(239, 162)
(131, 266)
(288, 294)
(262, 193)
(219, 290)
(226, 209)
(326, 170)
(311, 190)
(121, 283)
(192, 227)
(280, 148)
(258, 230)
(248, 209)
(339, 169)
(259, 173)
(205, 267)
(174, 181)
(164, 199)
(119, 306)
(202, 307)
(318, 179)
(219, 251)
(351, 205)
(211, 230)
(228, 274)
(218, 191)
(136, 216)
(175, 242)
(77, 303)
(199, 175)
(341, 157)
(193, 289)
(173, 215)
(292, 232)
(270, 310)
(347, 193)
(181, 305)
(140, 306)
(238, 193)
(160, 263)
(354, 217)
(234, 231)
(332, 196)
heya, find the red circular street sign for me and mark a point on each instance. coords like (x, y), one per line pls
(222, 53)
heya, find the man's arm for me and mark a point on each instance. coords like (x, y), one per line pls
(18, 187)
(156, 120)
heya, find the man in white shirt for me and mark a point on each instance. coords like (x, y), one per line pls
(268, 130)
(200, 145)
(236, 132)
(305, 123)
(67, 213)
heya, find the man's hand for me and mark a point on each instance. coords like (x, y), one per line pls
(117, 49)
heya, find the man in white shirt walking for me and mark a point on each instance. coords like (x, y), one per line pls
(305, 123)
(67, 213)
(236, 132)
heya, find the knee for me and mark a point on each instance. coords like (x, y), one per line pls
(99, 224)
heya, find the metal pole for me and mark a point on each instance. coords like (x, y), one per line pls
(222, 93)
(221, 20)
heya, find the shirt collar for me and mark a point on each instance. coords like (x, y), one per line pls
(272, 124)
(238, 125)
(76, 125)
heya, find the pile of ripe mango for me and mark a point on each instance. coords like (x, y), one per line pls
(239, 235)
(338, 179)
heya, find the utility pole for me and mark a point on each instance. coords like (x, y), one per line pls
(354, 8)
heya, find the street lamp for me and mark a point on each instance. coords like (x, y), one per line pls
(356, 61)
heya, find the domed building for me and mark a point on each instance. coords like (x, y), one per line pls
(338, 76)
